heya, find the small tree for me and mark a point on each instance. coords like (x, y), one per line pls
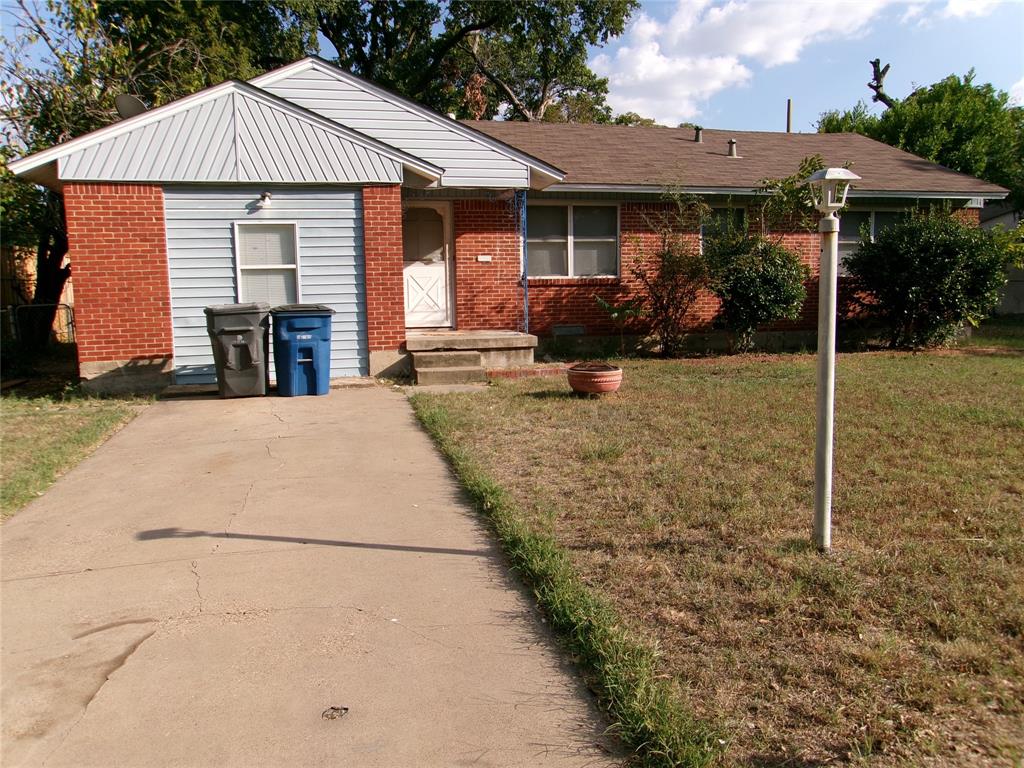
(672, 282)
(927, 275)
(756, 280)
(621, 314)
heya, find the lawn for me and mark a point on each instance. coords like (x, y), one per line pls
(1001, 331)
(44, 436)
(685, 502)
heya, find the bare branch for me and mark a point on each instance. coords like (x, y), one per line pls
(877, 83)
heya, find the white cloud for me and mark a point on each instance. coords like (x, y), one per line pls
(964, 9)
(1017, 93)
(914, 12)
(668, 69)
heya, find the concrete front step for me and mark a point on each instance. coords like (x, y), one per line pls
(464, 374)
(497, 349)
(446, 359)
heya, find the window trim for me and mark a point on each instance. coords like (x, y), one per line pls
(570, 241)
(238, 225)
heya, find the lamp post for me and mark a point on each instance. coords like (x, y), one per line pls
(828, 191)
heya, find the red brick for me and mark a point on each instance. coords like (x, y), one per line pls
(119, 261)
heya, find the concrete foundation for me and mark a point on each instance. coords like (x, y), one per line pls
(390, 363)
(139, 376)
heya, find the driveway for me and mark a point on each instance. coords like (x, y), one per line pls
(218, 575)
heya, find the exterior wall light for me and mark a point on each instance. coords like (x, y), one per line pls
(828, 191)
(265, 201)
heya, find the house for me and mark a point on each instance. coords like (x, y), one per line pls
(310, 184)
(1001, 215)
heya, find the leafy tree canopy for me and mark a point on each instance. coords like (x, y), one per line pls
(967, 127)
(524, 59)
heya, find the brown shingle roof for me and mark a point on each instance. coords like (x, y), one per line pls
(633, 155)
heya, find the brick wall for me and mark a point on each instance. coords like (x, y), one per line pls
(382, 246)
(119, 260)
(489, 294)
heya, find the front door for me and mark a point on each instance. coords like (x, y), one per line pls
(425, 239)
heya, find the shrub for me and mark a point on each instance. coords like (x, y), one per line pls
(928, 275)
(671, 286)
(756, 279)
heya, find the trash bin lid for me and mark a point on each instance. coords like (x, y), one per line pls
(237, 309)
(302, 309)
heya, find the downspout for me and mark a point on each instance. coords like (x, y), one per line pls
(521, 205)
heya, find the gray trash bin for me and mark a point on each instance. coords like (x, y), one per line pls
(241, 346)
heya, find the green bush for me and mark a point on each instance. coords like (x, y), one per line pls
(757, 280)
(924, 277)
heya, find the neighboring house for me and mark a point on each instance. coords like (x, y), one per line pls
(1001, 214)
(310, 184)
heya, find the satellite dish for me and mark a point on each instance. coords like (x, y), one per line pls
(128, 105)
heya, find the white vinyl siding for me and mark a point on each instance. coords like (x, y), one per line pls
(234, 137)
(201, 256)
(467, 162)
(572, 240)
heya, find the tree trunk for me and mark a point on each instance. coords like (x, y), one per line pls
(36, 324)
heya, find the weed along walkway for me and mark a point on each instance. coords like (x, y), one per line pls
(275, 581)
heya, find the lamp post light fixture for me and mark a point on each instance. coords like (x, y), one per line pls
(828, 192)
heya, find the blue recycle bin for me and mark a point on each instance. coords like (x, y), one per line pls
(302, 349)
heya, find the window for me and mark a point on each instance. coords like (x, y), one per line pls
(572, 240)
(722, 220)
(853, 223)
(266, 256)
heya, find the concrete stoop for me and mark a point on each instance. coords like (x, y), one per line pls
(463, 357)
(448, 367)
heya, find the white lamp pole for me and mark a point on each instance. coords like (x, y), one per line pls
(828, 190)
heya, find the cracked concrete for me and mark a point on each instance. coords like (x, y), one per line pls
(219, 573)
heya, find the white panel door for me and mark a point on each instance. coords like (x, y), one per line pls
(425, 239)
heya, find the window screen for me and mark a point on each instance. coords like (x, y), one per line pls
(572, 240)
(850, 224)
(267, 263)
(885, 219)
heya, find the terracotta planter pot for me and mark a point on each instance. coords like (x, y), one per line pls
(594, 378)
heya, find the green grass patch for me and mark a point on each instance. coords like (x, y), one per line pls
(43, 437)
(1001, 331)
(648, 713)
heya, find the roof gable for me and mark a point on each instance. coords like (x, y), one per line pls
(233, 132)
(470, 158)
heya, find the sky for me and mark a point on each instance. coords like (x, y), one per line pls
(733, 63)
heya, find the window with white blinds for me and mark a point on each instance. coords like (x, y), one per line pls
(268, 265)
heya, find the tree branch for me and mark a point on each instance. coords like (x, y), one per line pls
(877, 83)
(445, 45)
(501, 85)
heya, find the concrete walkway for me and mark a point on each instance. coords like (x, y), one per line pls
(221, 572)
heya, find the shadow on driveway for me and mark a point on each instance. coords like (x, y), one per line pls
(184, 533)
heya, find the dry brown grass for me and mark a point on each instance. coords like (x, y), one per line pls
(686, 500)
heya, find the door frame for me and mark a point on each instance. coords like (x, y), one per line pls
(444, 208)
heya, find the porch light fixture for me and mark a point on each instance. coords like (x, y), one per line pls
(265, 201)
(828, 192)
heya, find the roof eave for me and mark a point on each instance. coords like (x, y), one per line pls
(712, 190)
(52, 155)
